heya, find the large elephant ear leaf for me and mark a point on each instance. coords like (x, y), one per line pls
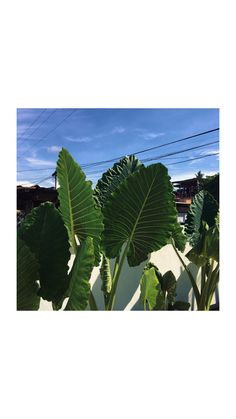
(113, 177)
(27, 278)
(204, 208)
(44, 233)
(151, 291)
(79, 289)
(77, 205)
(140, 213)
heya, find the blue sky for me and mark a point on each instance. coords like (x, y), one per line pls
(92, 135)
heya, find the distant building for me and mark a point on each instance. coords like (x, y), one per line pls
(32, 196)
(184, 191)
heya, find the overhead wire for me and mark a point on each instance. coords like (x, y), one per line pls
(54, 128)
(151, 148)
(34, 121)
(138, 152)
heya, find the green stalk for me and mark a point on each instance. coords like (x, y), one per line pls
(192, 280)
(92, 302)
(212, 286)
(116, 266)
(203, 277)
(117, 272)
(205, 292)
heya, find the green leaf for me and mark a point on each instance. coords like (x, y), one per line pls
(77, 205)
(207, 246)
(196, 257)
(181, 305)
(212, 243)
(204, 208)
(27, 278)
(113, 177)
(168, 285)
(44, 233)
(80, 275)
(179, 237)
(105, 273)
(151, 292)
(140, 213)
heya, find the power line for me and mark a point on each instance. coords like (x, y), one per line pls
(139, 152)
(35, 180)
(151, 148)
(43, 138)
(35, 170)
(194, 158)
(178, 152)
(35, 120)
(43, 122)
(168, 164)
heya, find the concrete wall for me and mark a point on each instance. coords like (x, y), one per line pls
(128, 291)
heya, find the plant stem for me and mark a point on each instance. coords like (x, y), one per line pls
(203, 277)
(92, 302)
(115, 267)
(212, 286)
(192, 280)
(115, 278)
(205, 291)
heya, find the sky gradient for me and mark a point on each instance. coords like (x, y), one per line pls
(93, 135)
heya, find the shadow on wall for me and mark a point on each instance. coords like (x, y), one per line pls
(127, 289)
(184, 288)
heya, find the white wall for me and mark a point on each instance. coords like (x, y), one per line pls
(127, 296)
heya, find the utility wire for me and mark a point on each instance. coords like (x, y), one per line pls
(43, 122)
(35, 180)
(43, 138)
(194, 158)
(164, 156)
(137, 152)
(178, 152)
(35, 120)
(151, 148)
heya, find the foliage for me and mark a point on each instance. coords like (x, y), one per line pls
(211, 185)
(113, 177)
(77, 205)
(105, 273)
(204, 208)
(79, 278)
(151, 292)
(159, 291)
(44, 233)
(27, 278)
(130, 214)
(202, 227)
(140, 213)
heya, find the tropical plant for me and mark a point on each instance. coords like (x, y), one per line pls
(130, 214)
(159, 291)
(202, 230)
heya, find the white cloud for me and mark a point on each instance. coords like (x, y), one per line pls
(118, 130)
(209, 151)
(79, 139)
(54, 149)
(152, 135)
(24, 183)
(39, 162)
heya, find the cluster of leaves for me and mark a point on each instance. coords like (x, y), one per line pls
(130, 214)
(47, 234)
(159, 291)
